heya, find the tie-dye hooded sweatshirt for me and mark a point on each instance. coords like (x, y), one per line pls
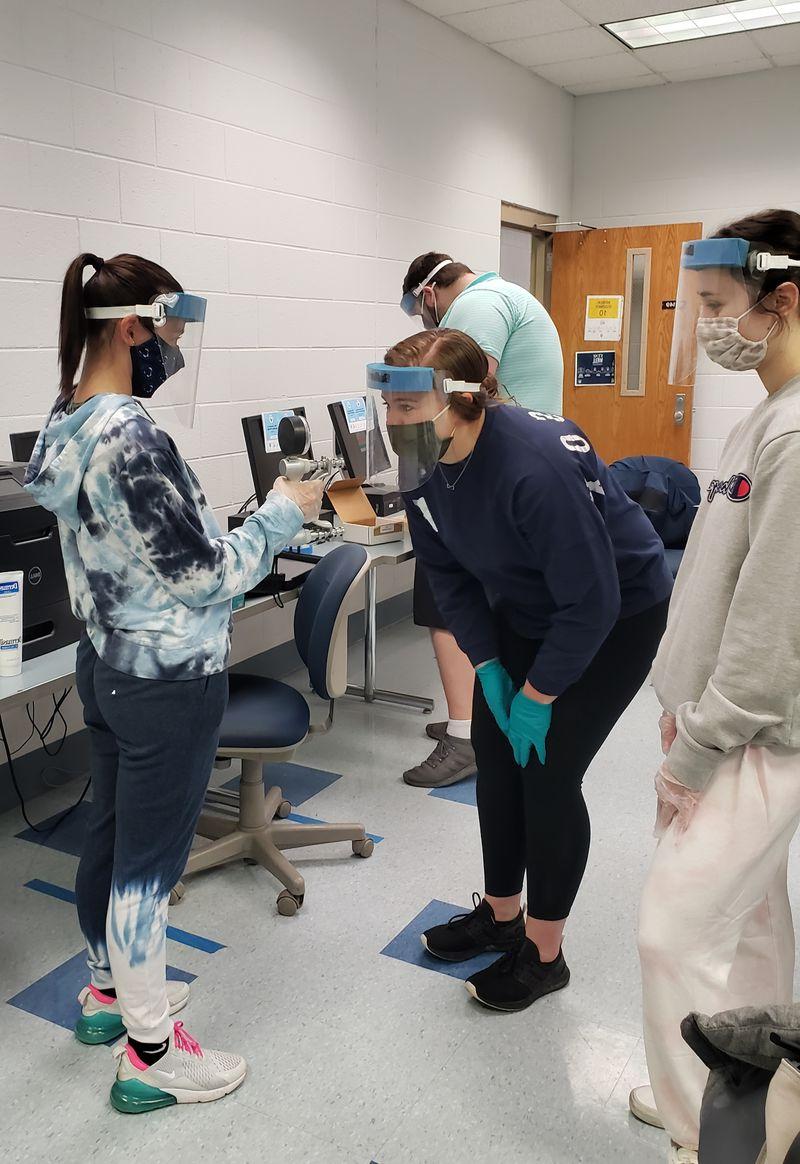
(148, 568)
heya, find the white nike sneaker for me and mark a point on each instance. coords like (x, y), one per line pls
(678, 1155)
(643, 1107)
(101, 1017)
(186, 1074)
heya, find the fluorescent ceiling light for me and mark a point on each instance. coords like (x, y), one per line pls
(697, 23)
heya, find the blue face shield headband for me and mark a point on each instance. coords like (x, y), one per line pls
(172, 352)
(414, 398)
(722, 280)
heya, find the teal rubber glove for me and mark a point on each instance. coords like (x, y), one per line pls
(498, 690)
(528, 725)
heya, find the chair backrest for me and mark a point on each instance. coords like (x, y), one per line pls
(667, 491)
(320, 620)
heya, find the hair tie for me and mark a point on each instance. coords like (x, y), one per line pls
(97, 264)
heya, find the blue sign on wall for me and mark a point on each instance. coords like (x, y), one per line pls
(595, 368)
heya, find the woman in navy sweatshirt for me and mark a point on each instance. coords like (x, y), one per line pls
(554, 584)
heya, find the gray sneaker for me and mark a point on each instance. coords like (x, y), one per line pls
(450, 761)
(437, 731)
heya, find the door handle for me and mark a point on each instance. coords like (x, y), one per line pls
(679, 415)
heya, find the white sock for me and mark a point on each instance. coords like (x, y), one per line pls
(460, 728)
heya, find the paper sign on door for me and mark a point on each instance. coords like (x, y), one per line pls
(604, 317)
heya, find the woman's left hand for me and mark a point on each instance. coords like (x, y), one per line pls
(529, 723)
(676, 803)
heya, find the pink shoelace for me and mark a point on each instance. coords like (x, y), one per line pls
(185, 1042)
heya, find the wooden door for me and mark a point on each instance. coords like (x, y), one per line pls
(637, 414)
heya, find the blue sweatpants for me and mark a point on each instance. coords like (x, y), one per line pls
(152, 751)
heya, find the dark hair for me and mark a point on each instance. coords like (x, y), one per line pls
(456, 353)
(424, 264)
(123, 280)
(777, 231)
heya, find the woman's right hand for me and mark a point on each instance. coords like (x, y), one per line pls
(307, 495)
(669, 730)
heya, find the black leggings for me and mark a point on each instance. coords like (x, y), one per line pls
(535, 818)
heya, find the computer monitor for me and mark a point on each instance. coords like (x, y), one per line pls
(349, 419)
(22, 445)
(264, 461)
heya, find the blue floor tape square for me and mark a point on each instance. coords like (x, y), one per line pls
(465, 792)
(407, 947)
(313, 820)
(54, 997)
(185, 937)
(297, 782)
(66, 837)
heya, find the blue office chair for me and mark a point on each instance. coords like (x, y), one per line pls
(265, 722)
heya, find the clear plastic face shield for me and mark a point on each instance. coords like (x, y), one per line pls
(412, 405)
(168, 362)
(413, 301)
(720, 286)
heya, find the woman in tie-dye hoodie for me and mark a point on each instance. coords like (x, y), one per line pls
(152, 576)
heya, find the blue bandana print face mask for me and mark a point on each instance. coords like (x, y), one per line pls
(152, 363)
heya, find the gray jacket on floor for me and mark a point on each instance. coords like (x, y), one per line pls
(729, 663)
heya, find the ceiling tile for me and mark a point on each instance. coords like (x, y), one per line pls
(529, 18)
(725, 69)
(603, 11)
(620, 66)
(778, 41)
(447, 7)
(690, 54)
(607, 87)
(579, 44)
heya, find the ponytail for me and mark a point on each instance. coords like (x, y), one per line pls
(123, 280)
(72, 330)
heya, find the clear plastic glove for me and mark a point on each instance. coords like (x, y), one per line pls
(498, 690)
(669, 730)
(676, 802)
(528, 725)
(307, 495)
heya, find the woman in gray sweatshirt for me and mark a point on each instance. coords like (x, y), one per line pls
(716, 927)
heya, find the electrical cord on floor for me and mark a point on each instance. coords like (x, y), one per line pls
(43, 734)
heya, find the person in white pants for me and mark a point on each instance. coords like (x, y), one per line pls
(716, 927)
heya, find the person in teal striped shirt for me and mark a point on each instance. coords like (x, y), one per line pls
(512, 327)
(524, 354)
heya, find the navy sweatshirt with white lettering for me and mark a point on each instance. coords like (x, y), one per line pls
(535, 530)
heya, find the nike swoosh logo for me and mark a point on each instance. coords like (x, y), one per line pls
(167, 1074)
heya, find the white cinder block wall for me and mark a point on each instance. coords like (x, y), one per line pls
(287, 159)
(704, 151)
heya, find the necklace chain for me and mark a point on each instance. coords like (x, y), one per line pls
(452, 484)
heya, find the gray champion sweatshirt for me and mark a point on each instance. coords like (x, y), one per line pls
(729, 663)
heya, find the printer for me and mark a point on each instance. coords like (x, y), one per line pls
(29, 542)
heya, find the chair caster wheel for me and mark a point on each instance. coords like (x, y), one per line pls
(284, 808)
(364, 848)
(288, 904)
(177, 894)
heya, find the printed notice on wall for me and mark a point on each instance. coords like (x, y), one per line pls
(604, 317)
(271, 420)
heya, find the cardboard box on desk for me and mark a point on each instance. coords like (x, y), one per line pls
(358, 517)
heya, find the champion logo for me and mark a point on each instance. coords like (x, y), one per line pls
(736, 488)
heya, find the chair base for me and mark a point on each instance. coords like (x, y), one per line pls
(260, 836)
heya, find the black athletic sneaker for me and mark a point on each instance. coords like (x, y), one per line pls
(468, 934)
(518, 979)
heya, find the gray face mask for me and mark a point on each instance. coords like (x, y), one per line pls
(723, 343)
